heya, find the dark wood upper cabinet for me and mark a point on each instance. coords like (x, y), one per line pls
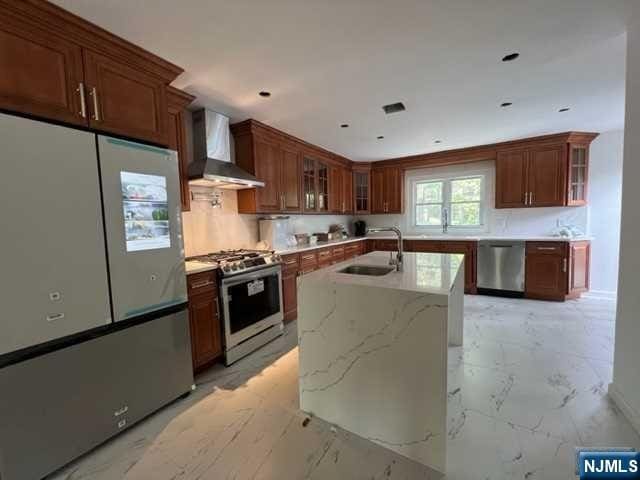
(387, 190)
(177, 102)
(578, 174)
(59, 67)
(336, 190)
(511, 180)
(268, 160)
(543, 174)
(290, 181)
(347, 190)
(378, 203)
(362, 190)
(546, 176)
(42, 73)
(309, 180)
(124, 100)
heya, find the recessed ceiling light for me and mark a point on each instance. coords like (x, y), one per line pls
(565, 109)
(506, 104)
(380, 137)
(510, 57)
(344, 125)
(264, 94)
(438, 141)
(393, 108)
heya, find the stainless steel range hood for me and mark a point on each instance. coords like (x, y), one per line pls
(212, 166)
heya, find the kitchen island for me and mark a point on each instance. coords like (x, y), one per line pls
(373, 349)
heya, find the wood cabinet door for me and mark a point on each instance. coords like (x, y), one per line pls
(291, 181)
(347, 190)
(177, 138)
(579, 261)
(393, 180)
(378, 203)
(545, 276)
(206, 333)
(125, 100)
(290, 295)
(362, 191)
(42, 74)
(511, 179)
(547, 176)
(267, 168)
(335, 189)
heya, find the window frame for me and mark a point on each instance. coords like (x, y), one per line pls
(446, 200)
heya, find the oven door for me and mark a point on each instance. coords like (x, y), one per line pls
(251, 303)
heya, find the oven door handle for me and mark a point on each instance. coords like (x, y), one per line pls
(242, 278)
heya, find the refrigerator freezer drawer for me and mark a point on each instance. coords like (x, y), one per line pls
(58, 406)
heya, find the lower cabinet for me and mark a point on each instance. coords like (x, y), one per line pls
(296, 264)
(290, 270)
(204, 319)
(556, 270)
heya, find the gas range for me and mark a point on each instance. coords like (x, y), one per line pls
(235, 262)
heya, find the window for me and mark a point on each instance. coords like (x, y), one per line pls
(459, 200)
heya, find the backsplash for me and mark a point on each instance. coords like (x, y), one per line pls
(207, 229)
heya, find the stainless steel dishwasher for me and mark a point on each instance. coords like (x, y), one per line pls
(501, 267)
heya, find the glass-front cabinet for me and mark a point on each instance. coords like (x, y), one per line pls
(361, 182)
(316, 185)
(309, 182)
(578, 174)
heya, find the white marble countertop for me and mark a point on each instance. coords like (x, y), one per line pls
(197, 267)
(432, 273)
(530, 238)
(304, 248)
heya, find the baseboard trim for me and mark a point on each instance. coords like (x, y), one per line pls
(601, 294)
(627, 410)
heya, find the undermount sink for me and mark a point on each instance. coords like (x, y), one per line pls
(371, 270)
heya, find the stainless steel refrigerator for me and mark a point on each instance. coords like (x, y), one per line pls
(94, 331)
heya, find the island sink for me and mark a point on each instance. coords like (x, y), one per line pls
(371, 270)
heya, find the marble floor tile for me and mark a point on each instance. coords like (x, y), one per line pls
(527, 387)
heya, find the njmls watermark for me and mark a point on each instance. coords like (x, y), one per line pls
(607, 463)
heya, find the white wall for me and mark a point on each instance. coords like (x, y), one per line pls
(625, 388)
(605, 192)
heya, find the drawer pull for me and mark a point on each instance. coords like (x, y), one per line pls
(547, 248)
(206, 283)
(308, 257)
(290, 262)
(122, 411)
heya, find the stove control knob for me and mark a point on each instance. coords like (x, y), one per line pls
(226, 268)
(234, 266)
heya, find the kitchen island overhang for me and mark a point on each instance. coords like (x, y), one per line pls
(373, 350)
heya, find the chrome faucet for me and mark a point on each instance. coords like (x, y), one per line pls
(398, 260)
(445, 220)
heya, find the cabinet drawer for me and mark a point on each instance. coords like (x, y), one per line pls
(546, 248)
(353, 250)
(308, 262)
(337, 254)
(325, 257)
(385, 245)
(290, 263)
(203, 282)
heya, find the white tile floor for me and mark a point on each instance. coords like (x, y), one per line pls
(529, 385)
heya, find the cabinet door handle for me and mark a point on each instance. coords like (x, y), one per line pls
(83, 100)
(564, 265)
(530, 198)
(206, 283)
(96, 108)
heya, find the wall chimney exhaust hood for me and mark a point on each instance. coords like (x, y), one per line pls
(212, 166)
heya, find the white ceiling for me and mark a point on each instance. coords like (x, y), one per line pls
(328, 62)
